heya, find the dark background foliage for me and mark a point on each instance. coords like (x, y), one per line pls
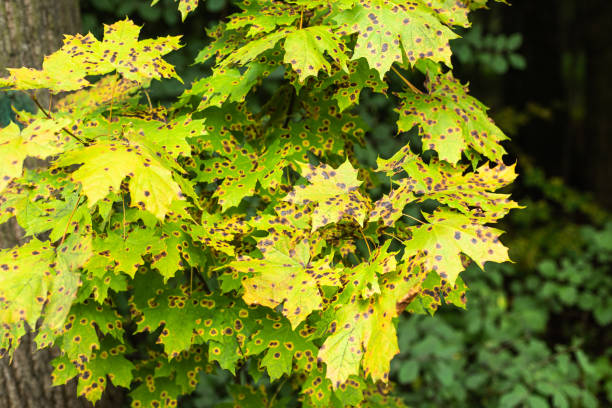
(536, 332)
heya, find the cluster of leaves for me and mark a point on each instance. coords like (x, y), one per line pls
(240, 238)
(535, 333)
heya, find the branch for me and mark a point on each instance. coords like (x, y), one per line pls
(50, 117)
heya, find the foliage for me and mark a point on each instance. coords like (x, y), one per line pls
(535, 333)
(219, 234)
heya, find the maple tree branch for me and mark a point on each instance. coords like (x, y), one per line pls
(48, 115)
(407, 82)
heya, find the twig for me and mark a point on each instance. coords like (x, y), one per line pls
(50, 117)
(412, 87)
(280, 386)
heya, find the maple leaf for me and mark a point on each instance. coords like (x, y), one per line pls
(362, 331)
(106, 164)
(446, 184)
(286, 275)
(79, 338)
(41, 138)
(449, 185)
(241, 173)
(450, 234)
(367, 273)
(280, 343)
(263, 16)
(111, 88)
(109, 362)
(387, 26)
(335, 192)
(123, 253)
(305, 48)
(83, 55)
(59, 73)
(450, 120)
(254, 48)
(348, 85)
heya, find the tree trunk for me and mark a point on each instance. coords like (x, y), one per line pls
(29, 30)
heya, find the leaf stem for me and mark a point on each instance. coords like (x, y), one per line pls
(301, 17)
(407, 82)
(69, 221)
(149, 100)
(50, 117)
(366, 242)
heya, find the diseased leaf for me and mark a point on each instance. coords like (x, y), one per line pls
(335, 192)
(286, 275)
(83, 55)
(450, 234)
(305, 48)
(151, 184)
(385, 27)
(450, 121)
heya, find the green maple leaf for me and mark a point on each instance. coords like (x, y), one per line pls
(305, 48)
(386, 27)
(79, 338)
(280, 343)
(362, 331)
(106, 164)
(263, 16)
(175, 311)
(241, 172)
(450, 234)
(450, 121)
(335, 192)
(286, 276)
(175, 245)
(347, 86)
(108, 362)
(156, 391)
(123, 253)
(41, 138)
(228, 84)
(254, 48)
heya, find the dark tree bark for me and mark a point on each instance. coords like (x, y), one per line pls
(29, 30)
